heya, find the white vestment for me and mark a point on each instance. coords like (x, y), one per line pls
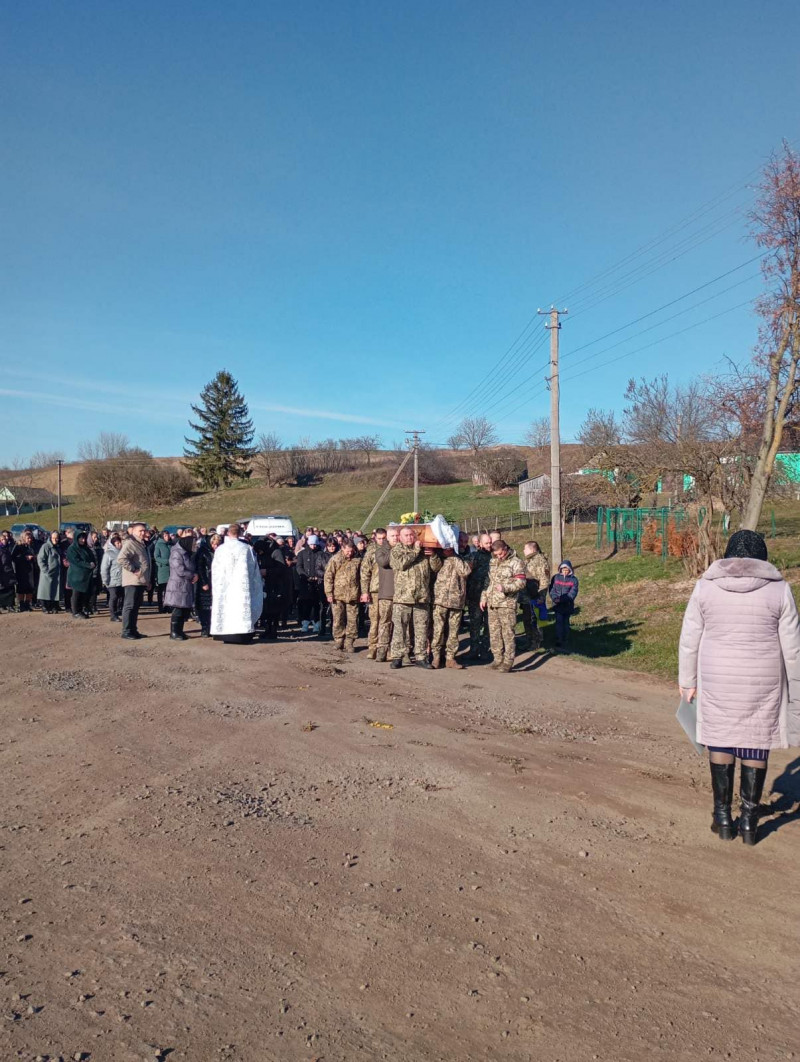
(237, 589)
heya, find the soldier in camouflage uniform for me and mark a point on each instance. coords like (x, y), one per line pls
(385, 594)
(506, 579)
(537, 580)
(449, 595)
(342, 589)
(478, 642)
(369, 576)
(413, 568)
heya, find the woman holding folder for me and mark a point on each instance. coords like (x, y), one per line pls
(740, 657)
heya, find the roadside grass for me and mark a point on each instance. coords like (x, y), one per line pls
(334, 503)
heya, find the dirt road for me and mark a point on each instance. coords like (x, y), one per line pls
(210, 853)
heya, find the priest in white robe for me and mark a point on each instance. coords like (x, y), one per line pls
(238, 589)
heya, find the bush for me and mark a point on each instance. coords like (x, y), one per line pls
(134, 478)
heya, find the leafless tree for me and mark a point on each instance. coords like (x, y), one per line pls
(368, 444)
(600, 431)
(134, 478)
(107, 444)
(46, 458)
(473, 433)
(538, 435)
(776, 226)
(268, 456)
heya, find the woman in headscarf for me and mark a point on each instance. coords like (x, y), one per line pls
(81, 575)
(25, 569)
(740, 656)
(51, 574)
(180, 586)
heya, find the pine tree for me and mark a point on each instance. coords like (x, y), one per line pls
(222, 452)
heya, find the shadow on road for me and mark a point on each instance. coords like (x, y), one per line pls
(786, 808)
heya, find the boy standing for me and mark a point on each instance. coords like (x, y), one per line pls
(563, 591)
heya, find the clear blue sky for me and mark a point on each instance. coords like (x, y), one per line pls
(356, 207)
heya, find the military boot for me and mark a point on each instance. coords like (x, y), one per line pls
(380, 656)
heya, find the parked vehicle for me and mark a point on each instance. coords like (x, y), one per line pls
(76, 525)
(36, 530)
(173, 529)
(259, 526)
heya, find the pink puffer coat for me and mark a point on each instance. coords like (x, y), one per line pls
(740, 646)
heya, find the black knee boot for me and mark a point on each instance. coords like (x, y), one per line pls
(751, 786)
(722, 785)
(176, 626)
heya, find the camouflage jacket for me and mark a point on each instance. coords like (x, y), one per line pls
(505, 580)
(412, 574)
(477, 580)
(341, 578)
(537, 575)
(369, 571)
(450, 589)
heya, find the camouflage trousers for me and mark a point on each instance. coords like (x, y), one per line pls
(502, 622)
(478, 642)
(410, 627)
(446, 624)
(345, 622)
(380, 625)
(530, 619)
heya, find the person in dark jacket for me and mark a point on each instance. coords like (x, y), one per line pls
(96, 546)
(204, 588)
(161, 552)
(179, 595)
(23, 556)
(563, 591)
(8, 577)
(311, 572)
(81, 574)
(51, 574)
(325, 615)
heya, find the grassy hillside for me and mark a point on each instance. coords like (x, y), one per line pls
(334, 503)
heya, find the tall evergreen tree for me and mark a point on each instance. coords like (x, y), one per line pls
(222, 452)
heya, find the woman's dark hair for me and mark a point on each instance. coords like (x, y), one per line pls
(747, 544)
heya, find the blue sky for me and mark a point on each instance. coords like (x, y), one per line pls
(356, 208)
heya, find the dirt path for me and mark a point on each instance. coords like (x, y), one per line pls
(208, 853)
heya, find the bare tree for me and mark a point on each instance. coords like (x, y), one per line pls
(500, 467)
(133, 477)
(776, 226)
(267, 457)
(473, 433)
(368, 444)
(600, 431)
(46, 458)
(656, 410)
(107, 444)
(538, 435)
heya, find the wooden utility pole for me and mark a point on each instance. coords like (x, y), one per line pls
(60, 463)
(414, 443)
(556, 555)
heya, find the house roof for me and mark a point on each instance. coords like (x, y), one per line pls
(29, 494)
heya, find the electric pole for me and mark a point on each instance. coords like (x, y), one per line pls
(60, 463)
(414, 443)
(555, 438)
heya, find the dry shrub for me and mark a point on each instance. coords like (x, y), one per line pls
(135, 478)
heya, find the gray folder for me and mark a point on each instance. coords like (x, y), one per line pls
(687, 717)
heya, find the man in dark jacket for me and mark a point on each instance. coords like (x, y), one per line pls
(161, 552)
(311, 573)
(385, 595)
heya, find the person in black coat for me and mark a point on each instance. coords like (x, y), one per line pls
(204, 590)
(310, 572)
(8, 576)
(26, 569)
(95, 545)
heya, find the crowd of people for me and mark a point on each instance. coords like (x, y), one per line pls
(409, 601)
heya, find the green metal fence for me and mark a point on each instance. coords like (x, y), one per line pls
(624, 528)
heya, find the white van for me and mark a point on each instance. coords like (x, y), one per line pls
(258, 526)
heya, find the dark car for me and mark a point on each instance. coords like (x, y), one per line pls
(36, 530)
(76, 525)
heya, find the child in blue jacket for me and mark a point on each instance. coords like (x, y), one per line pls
(563, 591)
